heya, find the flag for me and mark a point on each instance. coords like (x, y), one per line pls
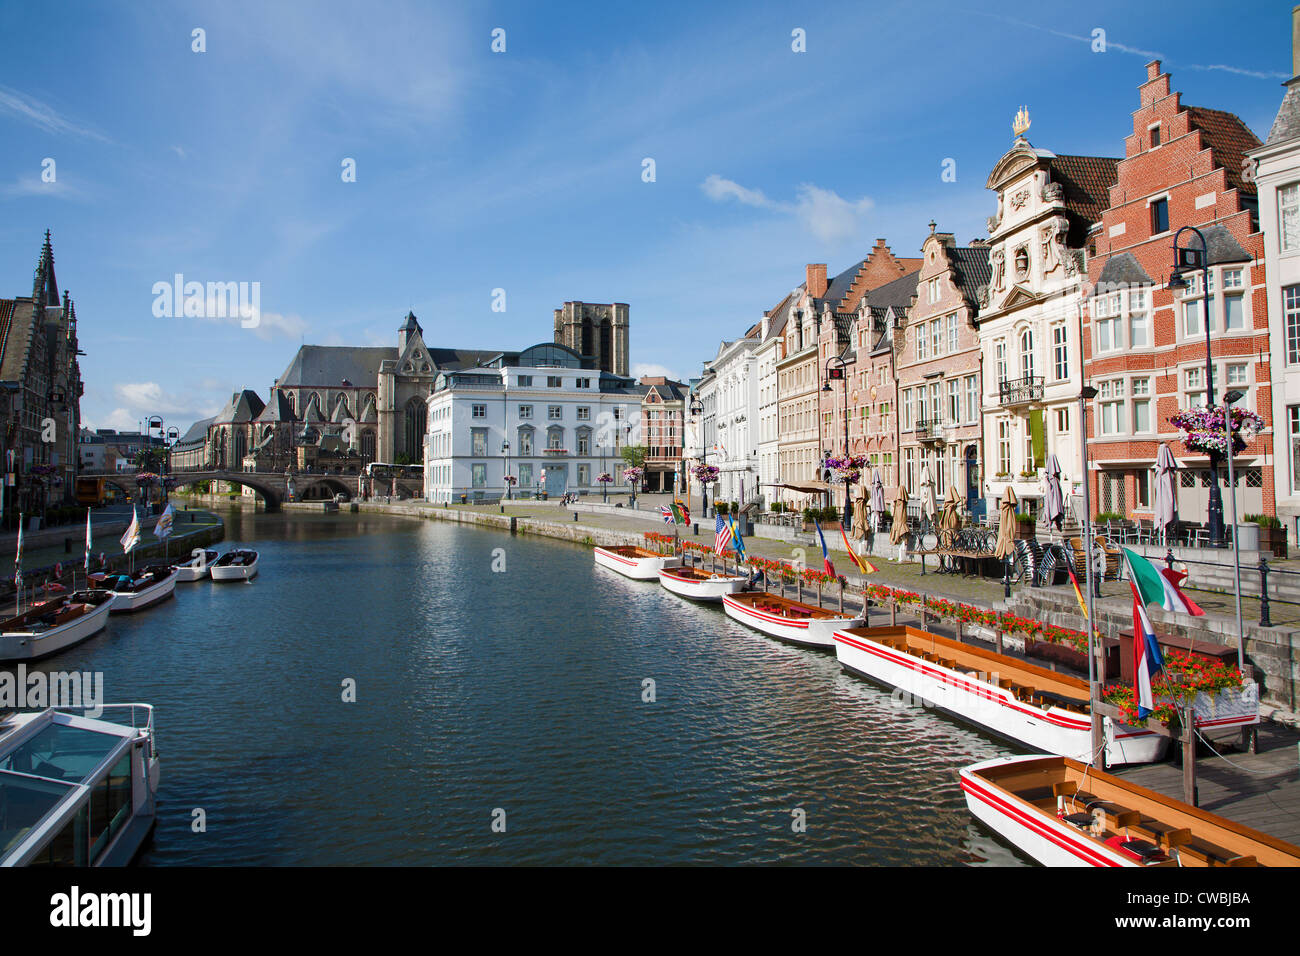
(58, 571)
(18, 558)
(1159, 586)
(88, 541)
(721, 534)
(666, 513)
(131, 537)
(1078, 595)
(164, 526)
(863, 565)
(681, 513)
(737, 543)
(1147, 661)
(826, 557)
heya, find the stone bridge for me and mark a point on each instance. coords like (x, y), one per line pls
(273, 487)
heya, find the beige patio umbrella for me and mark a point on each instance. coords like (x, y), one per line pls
(860, 518)
(1007, 524)
(898, 533)
(950, 519)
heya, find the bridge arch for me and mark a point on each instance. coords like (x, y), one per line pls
(270, 487)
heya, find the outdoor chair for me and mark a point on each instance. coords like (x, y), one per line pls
(1080, 557)
(1113, 554)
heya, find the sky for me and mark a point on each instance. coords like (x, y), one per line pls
(525, 170)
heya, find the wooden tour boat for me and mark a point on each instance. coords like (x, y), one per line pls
(149, 585)
(639, 563)
(237, 565)
(701, 585)
(54, 625)
(1042, 709)
(1064, 813)
(788, 620)
(196, 568)
(77, 790)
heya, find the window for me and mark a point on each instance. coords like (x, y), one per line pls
(935, 412)
(1194, 386)
(1004, 447)
(554, 381)
(1060, 353)
(1288, 217)
(554, 438)
(554, 412)
(906, 408)
(1234, 319)
(525, 475)
(478, 441)
(1139, 320)
(584, 413)
(934, 290)
(584, 470)
(953, 401)
(525, 442)
(972, 399)
(920, 343)
(1237, 374)
(583, 383)
(1141, 405)
(1000, 358)
(1027, 354)
(525, 411)
(1155, 136)
(1159, 216)
(936, 338)
(479, 411)
(478, 474)
(1111, 394)
(909, 468)
(952, 333)
(525, 381)
(1062, 421)
(1293, 417)
(1291, 315)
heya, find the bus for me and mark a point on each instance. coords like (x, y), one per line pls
(90, 491)
(386, 471)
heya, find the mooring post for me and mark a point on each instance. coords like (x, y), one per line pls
(1189, 755)
(1264, 619)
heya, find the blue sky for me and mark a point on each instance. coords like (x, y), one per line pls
(522, 170)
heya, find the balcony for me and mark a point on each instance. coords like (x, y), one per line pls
(1020, 391)
(929, 429)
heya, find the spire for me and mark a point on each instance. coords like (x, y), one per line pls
(45, 290)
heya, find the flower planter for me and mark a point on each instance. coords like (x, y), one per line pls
(1229, 703)
(1026, 530)
(1274, 540)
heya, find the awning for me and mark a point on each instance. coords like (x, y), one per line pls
(808, 488)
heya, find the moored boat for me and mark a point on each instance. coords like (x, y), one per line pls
(145, 588)
(1041, 709)
(77, 790)
(701, 585)
(788, 620)
(196, 568)
(641, 564)
(54, 625)
(239, 564)
(1064, 813)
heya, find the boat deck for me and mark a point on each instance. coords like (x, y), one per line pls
(784, 607)
(1027, 682)
(1151, 828)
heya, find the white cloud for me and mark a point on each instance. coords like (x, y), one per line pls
(38, 114)
(640, 369)
(25, 186)
(271, 324)
(822, 212)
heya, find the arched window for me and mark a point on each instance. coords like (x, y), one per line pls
(555, 436)
(241, 448)
(1027, 353)
(368, 445)
(416, 420)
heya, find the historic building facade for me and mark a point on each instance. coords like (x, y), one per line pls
(798, 386)
(598, 332)
(937, 357)
(1145, 346)
(770, 335)
(663, 430)
(730, 396)
(1030, 320)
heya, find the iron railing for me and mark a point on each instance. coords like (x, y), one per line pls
(1020, 391)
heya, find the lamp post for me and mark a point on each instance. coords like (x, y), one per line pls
(1187, 260)
(505, 450)
(836, 367)
(697, 411)
(1229, 399)
(1087, 394)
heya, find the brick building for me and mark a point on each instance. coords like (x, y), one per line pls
(663, 410)
(1144, 345)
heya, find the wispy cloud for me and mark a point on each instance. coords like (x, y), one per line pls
(823, 212)
(26, 186)
(640, 369)
(32, 111)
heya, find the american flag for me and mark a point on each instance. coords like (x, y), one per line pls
(721, 535)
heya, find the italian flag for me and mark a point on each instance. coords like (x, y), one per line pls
(1151, 585)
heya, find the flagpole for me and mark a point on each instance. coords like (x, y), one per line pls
(1094, 689)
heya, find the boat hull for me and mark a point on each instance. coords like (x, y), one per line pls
(243, 572)
(709, 589)
(196, 569)
(22, 646)
(126, 602)
(806, 633)
(639, 569)
(1049, 841)
(1054, 730)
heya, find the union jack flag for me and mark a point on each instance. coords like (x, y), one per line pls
(721, 535)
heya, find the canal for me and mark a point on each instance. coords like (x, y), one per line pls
(502, 679)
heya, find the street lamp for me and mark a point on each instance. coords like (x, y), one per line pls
(1093, 584)
(1187, 260)
(1229, 399)
(836, 367)
(697, 411)
(505, 450)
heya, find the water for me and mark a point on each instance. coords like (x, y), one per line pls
(518, 691)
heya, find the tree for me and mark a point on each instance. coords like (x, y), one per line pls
(634, 455)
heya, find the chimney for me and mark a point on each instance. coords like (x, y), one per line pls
(816, 279)
(1295, 41)
(1153, 72)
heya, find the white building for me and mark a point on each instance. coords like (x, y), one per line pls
(770, 333)
(1030, 318)
(730, 394)
(1277, 177)
(540, 415)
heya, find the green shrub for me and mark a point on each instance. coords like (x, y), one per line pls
(830, 513)
(777, 507)
(1108, 516)
(720, 507)
(1264, 521)
(809, 515)
(1024, 518)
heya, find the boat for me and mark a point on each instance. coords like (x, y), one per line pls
(788, 620)
(237, 565)
(77, 790)
(1064, 813)
(52, 626)
(148, 586)
(700, 585)
(641, 564)
(196, 568)
(1042, 709)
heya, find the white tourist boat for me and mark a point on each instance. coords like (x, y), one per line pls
(196, 568)
(54, 625)
(788, 620)
(1042, 709)
(77, 790)
(642, 564)
(237, 565)
(1064, 813)
(701, 585)
(148, 586)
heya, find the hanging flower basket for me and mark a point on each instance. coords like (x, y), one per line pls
(511, 480)
(1204, 429)
(846, 470)
(604, 477)
(632, 475)
(145, 478)
(706, 474)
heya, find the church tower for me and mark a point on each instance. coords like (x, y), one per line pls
(596, 331)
